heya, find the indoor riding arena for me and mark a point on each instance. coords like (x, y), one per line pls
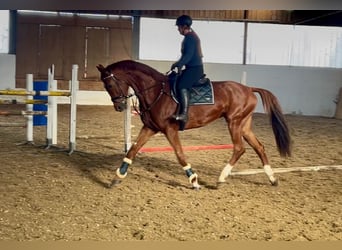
(51, 194)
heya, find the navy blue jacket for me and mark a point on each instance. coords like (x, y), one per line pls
(191, 51)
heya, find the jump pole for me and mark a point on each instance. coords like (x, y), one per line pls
(34, 92)
(23, 112)
(186, 148)
(29, 93)
(12, 124)
(27, 101)
(28, 113)
(285, 170)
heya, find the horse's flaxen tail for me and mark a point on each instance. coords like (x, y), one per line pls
(278, 122)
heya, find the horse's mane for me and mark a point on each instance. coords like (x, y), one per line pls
(130, 65)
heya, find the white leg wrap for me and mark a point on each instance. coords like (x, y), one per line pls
(129, 161)
(121, 176)
(268, 170)
(188, 166)
(225, 173)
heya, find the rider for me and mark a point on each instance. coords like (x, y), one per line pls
(191, 58)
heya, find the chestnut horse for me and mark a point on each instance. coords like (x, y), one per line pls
(233, 101)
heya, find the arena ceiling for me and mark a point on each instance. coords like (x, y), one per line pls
(317, 17)
(298, 17)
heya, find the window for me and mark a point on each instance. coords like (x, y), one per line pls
(159, 39)
(269, 44)
(317, 46)
(4, 31)
(222, 42)
(311, 46)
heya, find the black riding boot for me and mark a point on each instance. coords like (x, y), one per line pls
(182, 117)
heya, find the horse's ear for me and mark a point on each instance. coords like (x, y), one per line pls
(100, 68)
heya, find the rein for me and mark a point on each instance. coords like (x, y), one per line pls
(137, 94)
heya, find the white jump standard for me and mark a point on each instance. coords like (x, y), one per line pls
(52, 93)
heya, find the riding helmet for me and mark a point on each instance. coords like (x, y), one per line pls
(184, 20)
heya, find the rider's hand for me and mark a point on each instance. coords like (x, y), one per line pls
(174, 66)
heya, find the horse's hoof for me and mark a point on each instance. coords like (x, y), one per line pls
(195, 185)
(222, 179)
(275, 183)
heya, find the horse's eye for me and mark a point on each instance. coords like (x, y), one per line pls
(108, 86)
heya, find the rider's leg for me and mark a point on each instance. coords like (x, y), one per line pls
(184, 105)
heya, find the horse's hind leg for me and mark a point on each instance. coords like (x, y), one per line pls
(253, 141)
(172, 135)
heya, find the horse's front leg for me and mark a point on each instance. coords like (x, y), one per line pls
(173, 137)
(144, 135)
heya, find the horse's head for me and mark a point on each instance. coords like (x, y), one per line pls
(117, 91)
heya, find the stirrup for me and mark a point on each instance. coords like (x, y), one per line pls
(180, 117)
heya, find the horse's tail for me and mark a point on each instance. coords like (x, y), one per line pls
(278, 122)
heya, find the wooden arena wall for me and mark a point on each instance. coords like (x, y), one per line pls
(64, 40)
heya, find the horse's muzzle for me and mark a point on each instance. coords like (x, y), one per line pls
(120, 106)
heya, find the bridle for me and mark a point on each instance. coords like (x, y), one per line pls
(122, 96)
